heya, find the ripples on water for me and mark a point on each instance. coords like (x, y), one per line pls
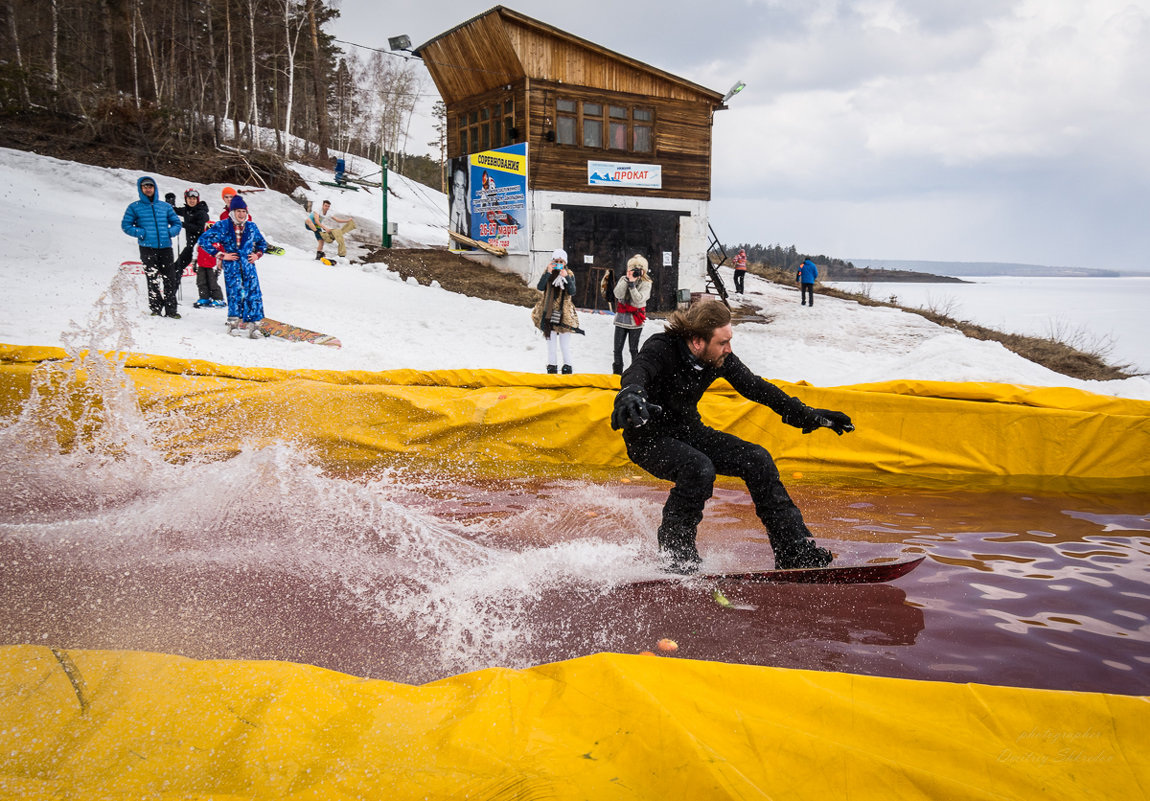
(411, 577)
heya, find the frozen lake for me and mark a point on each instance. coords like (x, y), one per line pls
(1090, 313)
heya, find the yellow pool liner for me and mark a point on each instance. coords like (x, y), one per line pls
(106, 724)
(96, 724)
(911, 432)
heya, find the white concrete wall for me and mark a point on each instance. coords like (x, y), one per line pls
(547, 229)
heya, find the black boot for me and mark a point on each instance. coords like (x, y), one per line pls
(677, 545)
(801, 552)
(566, 369)
(677, 539)
(551, 368)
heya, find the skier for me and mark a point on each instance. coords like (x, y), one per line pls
(657, 410)
(240, 245)
(807, 275)
(195, 215)
(154, 224)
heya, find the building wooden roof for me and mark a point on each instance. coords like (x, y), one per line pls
(501, 47)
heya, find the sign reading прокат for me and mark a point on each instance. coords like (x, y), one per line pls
(614, 173)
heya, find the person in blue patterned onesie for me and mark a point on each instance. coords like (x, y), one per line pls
(241, 246)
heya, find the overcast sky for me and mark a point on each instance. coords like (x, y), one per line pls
(951, 130)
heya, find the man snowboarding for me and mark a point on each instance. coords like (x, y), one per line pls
(657, 411)
(154, 224)
(316, 222)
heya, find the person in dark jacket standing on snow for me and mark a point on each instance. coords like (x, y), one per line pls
(154, 224)
(196, 216)
(808, 274)
(240, 246)
(657, 411)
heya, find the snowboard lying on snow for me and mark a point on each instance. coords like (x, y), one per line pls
(871, 573)
(274, 329)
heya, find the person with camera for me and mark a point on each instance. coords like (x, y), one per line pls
(657, 410)
(740, 264)
(632, 292)
(554, 314)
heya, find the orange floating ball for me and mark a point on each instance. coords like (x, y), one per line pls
(667, 646)
(797, 474)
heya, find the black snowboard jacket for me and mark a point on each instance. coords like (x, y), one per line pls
(195, 219)
(670, 376)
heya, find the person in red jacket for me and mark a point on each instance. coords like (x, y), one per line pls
(740, 264)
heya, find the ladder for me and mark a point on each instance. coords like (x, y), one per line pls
(713, 279)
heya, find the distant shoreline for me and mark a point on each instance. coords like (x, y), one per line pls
(967, 269)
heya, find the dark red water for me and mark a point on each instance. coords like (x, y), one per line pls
(410, 578)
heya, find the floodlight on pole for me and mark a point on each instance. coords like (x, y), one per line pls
(734, 90)
(399, 42)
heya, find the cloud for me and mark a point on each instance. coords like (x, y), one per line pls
(973, 129)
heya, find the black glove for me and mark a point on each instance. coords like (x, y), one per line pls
(632, 409)
(170, 198)
(808, 419)
(825, 418)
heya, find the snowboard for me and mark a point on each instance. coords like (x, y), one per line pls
(870, 573)
(293, 333)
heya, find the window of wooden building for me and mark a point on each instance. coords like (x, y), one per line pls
(604, 125)
(487, 126)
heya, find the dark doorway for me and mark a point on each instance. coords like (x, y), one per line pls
(610, 237)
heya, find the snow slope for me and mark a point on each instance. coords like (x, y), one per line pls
(66, 246)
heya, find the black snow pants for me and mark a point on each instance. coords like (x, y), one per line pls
(162, 277)
(691, 457)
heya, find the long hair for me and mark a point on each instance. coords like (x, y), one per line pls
(700, 320)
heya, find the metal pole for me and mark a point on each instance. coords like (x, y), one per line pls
(383, 186)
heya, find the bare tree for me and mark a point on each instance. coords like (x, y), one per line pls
(186, 60)
(317, 78)
(253, 106)
(293, 25)
(439, 111)
(53, 46)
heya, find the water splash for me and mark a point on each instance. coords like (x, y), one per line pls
(91, 488)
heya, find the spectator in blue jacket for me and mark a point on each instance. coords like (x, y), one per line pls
(808, 274)
(154, 224)
(241, 246)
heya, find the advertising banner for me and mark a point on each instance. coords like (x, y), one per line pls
(616, 173)
(488, 198)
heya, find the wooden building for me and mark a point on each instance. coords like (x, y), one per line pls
(617, 153)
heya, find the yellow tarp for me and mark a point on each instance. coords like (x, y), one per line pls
(103, 724)
(89, 724)
(907, 431)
